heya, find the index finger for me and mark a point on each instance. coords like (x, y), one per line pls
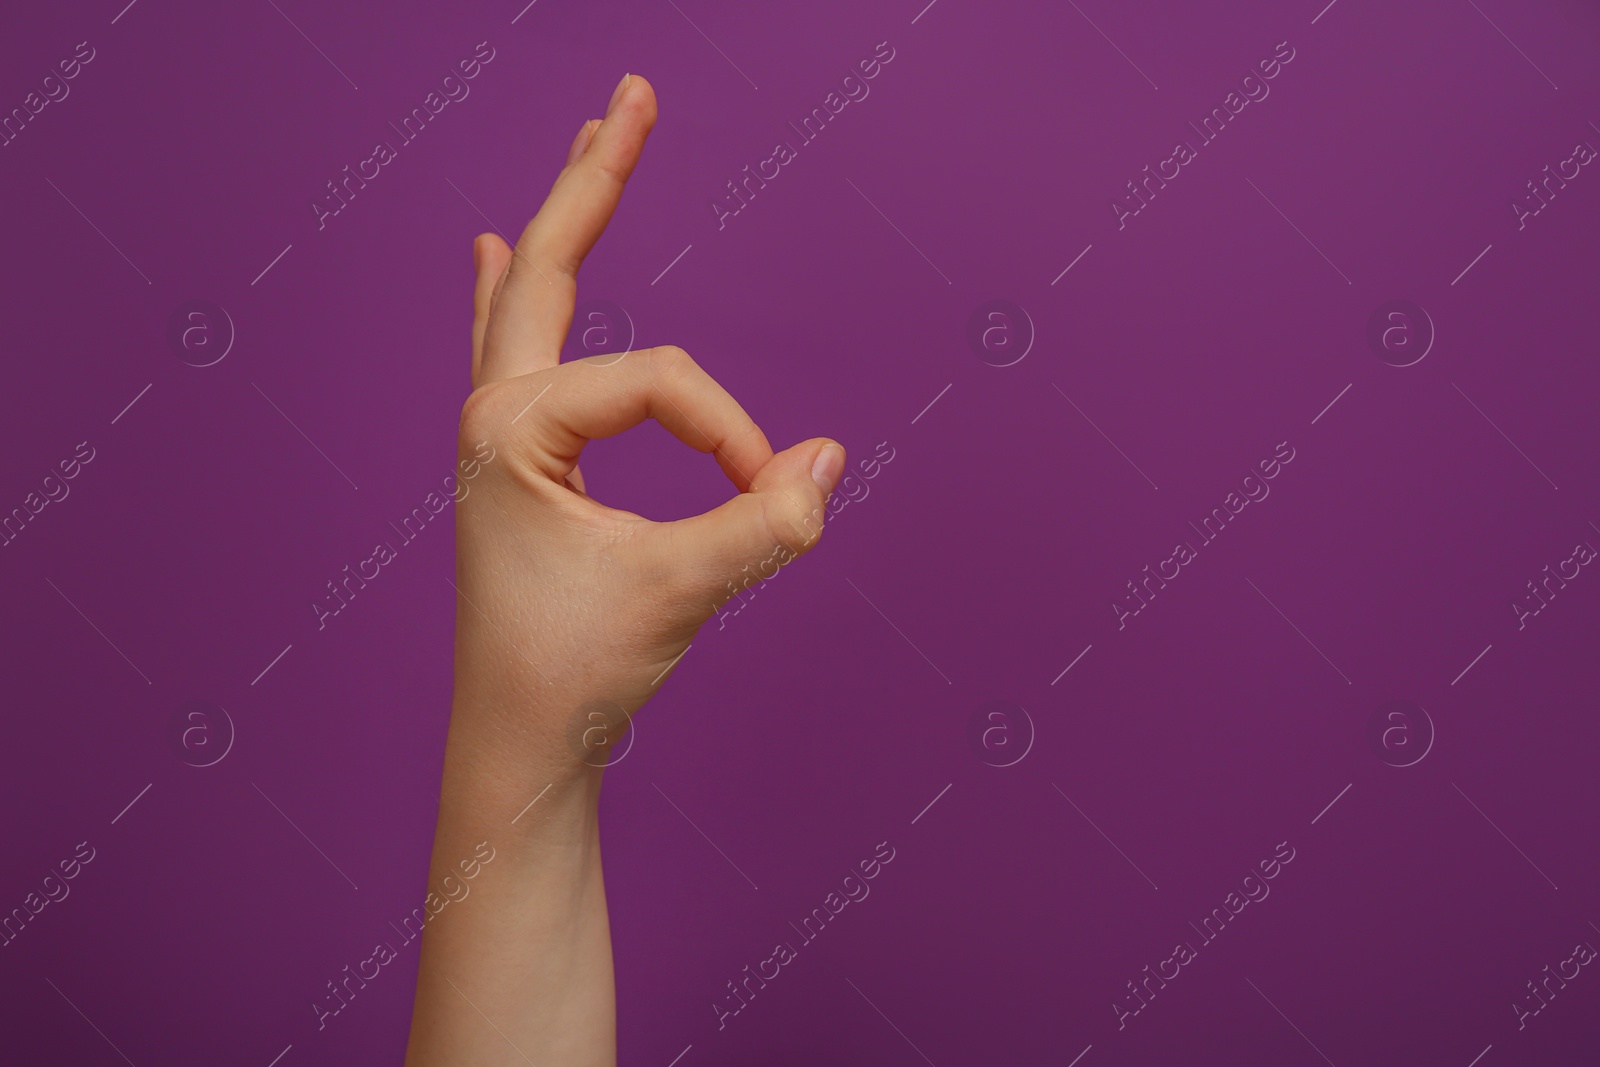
(534, 308)
(564, 408)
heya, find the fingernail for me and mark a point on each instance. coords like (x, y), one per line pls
(622, 87)
(477, 256)
(827, 467)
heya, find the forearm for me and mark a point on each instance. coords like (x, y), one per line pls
(571, 614)
(518, 970)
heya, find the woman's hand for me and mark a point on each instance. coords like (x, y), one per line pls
(572, 609)
(569, 616)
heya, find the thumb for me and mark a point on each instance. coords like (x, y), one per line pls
(749, 537)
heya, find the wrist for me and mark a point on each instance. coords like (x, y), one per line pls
(520, 765)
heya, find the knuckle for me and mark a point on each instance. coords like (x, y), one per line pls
(670, 359)
(485, 413)
(473, 411)
(617, 173)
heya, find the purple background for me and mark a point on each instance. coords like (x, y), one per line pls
(1215, 725)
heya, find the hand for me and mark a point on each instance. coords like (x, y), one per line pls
(571, 604)
(567, 609)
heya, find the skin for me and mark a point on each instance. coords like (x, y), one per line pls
(570, 615)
